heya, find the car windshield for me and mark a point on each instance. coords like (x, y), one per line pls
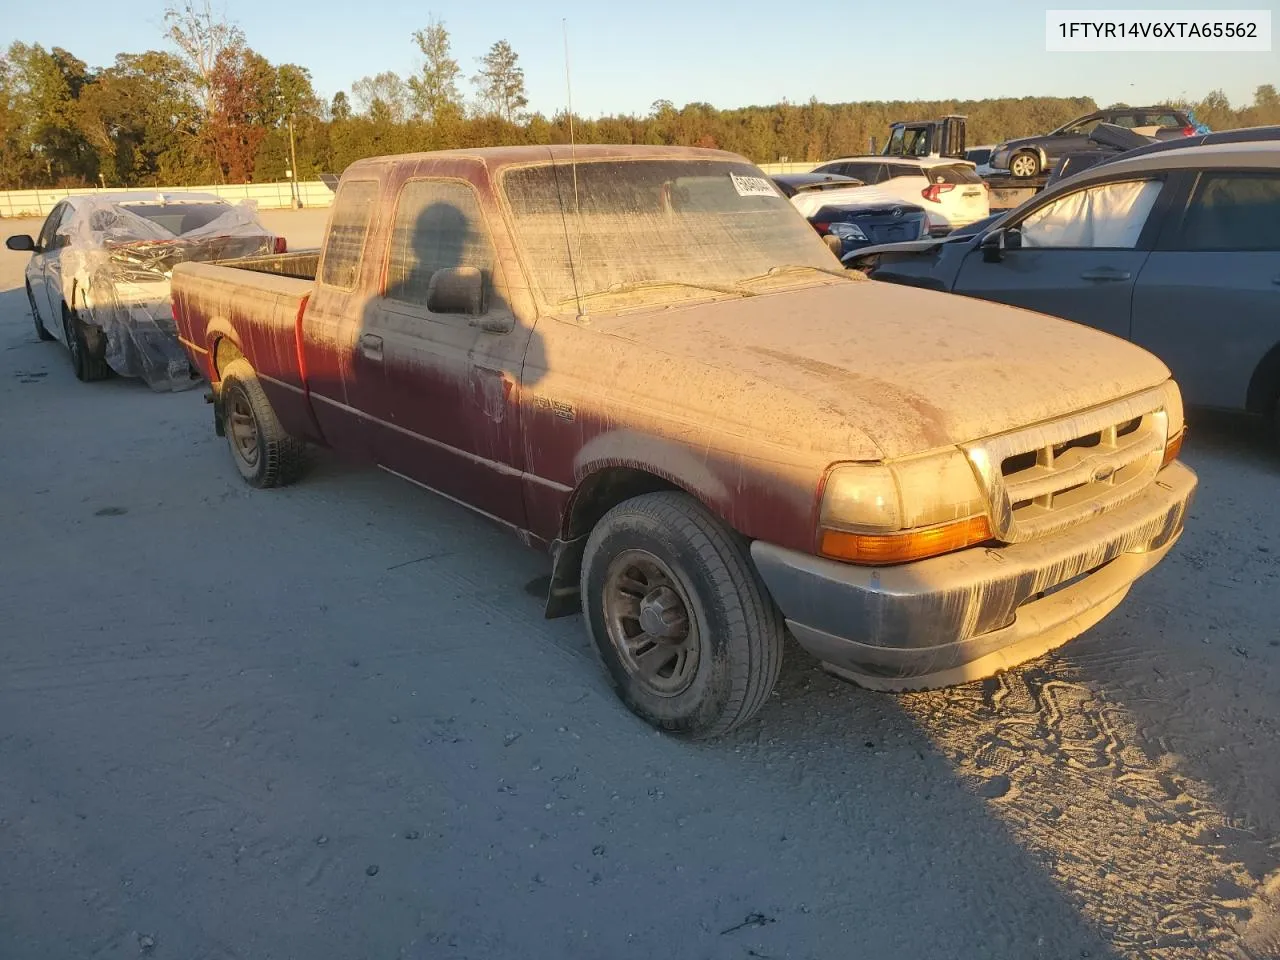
(669, 228)
(179, 218)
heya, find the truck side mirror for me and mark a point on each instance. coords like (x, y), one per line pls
(456, 290)
(462, 290)
(22, 243)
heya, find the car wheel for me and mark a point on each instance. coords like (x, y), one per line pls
(1024, 165)
(87, 361)
(41, 332)
(264, 452)
(691, 640)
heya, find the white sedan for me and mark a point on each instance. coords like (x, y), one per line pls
(950, 191)
(98, 278)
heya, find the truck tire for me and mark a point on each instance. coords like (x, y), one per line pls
(41, 332)
(691, 640)
(87, 360)
(264, 453)
(1024, 165)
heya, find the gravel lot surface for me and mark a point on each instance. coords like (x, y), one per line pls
(329, 721)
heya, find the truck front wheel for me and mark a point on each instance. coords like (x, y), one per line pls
(264, 453)
(691, 640)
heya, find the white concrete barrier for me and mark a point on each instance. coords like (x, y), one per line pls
(788, 167)
(269, 196)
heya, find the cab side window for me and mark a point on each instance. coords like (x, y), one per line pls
(1107, 216)
(352, 211)
(438, 226)
(1233, 211)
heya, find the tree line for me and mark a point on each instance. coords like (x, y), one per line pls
(210, 109)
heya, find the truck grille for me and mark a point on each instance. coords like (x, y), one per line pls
(1046, 478)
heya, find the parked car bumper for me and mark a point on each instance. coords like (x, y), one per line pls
(967, 615)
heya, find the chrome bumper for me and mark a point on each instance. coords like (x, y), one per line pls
(966, 615)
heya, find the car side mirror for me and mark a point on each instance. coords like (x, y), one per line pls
(992, 246)
(22, 243)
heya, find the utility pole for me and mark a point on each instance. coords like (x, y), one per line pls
(293, 167)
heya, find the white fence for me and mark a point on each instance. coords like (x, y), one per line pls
(269, 196)
(788, 167)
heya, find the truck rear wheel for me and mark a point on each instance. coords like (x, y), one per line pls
(264, 453)
(691, 640)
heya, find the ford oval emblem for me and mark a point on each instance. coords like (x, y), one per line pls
(1103, 474)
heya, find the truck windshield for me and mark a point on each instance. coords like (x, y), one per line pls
(672, 228)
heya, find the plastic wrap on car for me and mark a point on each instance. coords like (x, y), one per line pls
(116, 264)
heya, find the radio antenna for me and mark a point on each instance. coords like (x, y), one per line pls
(573, 166)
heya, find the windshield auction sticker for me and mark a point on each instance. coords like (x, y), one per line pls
(752, 186)
(1170, 31)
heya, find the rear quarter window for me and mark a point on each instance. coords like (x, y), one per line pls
(348, 229)
(1233, 211)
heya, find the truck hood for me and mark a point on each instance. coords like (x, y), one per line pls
(912, 370)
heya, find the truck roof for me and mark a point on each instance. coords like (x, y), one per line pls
(496, 158)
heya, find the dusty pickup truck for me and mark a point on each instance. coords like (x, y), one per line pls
(646, 361)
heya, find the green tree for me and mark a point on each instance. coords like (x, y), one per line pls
(140, 119)
(435, 89)
(500, 83)
(43, 89)
(340, 106)
(384, 97)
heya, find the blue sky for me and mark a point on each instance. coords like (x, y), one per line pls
(727, 54)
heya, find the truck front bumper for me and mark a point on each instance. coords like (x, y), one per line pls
(966, 615)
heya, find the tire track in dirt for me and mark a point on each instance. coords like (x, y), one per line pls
(1141, 848)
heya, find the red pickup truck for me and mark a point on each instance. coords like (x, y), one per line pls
(645, 360)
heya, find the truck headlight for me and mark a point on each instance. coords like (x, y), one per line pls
(907, 510)
(1177, 430)
(847, 231)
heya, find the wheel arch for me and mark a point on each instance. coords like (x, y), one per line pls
(597, 492)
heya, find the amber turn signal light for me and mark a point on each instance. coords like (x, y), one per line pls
(1172, 448)
(883, 549)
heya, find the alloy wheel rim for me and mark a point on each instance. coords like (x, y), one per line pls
(650, 623)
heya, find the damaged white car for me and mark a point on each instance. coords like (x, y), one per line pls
(98, 279)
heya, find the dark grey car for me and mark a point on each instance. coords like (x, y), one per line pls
(1177, 251)
(1032, 156)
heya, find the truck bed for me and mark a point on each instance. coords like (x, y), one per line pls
(300, 265)
(253, 305)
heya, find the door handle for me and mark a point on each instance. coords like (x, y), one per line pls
(371, 346)
(1105, 273)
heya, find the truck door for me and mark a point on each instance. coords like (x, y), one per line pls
(1075, 256)
(340, 378)
(448, 410)
(1208, 301)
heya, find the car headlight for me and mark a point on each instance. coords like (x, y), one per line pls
(907, 510)
(847, 231)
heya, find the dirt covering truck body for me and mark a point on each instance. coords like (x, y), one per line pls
(644, 360)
